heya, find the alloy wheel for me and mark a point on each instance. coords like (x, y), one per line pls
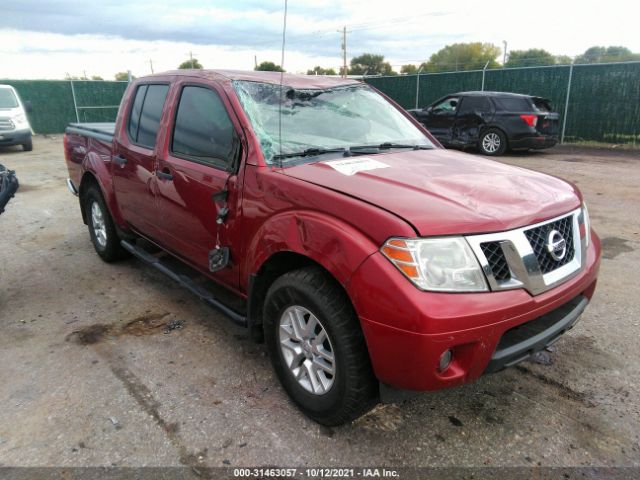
(491, 142)
(98, 224)
(307, 350)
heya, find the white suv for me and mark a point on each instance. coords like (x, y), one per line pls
(14, 124)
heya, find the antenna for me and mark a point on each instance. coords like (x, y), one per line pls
(284, 36)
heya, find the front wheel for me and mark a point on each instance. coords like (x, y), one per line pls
(317, 348)
(28, 145)
(493, 142)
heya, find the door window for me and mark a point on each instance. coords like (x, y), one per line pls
(144, 119)
(203, 131)
(447, 106)
(474, 104)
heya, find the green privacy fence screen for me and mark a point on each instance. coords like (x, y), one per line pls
(53, 101)
(603, 99)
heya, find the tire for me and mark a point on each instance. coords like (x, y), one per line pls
(493, 142)
(101, 228)
(352, 389)
(28, 145)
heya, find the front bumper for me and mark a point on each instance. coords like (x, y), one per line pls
(14, 137)
(407, 330)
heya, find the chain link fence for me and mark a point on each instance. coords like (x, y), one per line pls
(598, 102)
(56, 103)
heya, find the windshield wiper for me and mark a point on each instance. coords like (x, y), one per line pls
(389, 146)
(310, 152)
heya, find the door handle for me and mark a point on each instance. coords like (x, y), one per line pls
(119, 159)
(165, 174)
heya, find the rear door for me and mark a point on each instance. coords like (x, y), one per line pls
(134, 158)
(197, 166)
(472, 113)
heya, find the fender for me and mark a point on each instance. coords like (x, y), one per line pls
(98, 165)
(334, 244)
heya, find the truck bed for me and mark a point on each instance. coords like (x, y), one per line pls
(101, 131)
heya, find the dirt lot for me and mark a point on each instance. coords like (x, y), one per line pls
(125, 393)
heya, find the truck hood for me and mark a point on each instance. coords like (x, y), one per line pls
(443, 192)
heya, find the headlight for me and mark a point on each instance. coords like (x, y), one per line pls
(439, 264)
(587, 224)
(20, 118)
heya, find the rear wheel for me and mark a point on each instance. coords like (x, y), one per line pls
(493, 142)
(101, 228)
(317, 348)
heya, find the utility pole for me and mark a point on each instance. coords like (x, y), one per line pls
(344, 51)
(191, 58)
(255, 61)
(151, 65)
(504, 55)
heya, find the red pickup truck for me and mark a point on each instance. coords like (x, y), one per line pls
(364, 253)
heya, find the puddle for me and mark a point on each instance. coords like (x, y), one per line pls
(614, 246)
(147, 324)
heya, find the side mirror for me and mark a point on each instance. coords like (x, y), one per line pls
(428, 109)
(28, 107)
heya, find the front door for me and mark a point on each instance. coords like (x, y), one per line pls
(134, 159)
(440, 119)
(194, 172)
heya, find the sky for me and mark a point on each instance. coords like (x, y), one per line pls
(58, 37)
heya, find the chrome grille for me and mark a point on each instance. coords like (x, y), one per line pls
(497, 260)
(6, 124)
(520, 258)
(538, 238)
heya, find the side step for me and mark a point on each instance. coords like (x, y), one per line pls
(184, 281)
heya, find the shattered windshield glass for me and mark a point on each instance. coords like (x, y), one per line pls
(333, 118)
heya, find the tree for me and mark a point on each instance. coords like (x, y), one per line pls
(123, 76)
(191, 63)
(607, 54)
(409, 69)
(96, 77)
(321, 71)
(370, 64)
(563, 59)
(269, 67)
(463, 56)
(530, 58)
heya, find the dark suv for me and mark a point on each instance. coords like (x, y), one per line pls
(491, 121)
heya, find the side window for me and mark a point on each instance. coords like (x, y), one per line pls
(134, 116)
(203, 130)
(474, 104)
(515, 104)
(447, 106)
(151, 113)
(146, 111)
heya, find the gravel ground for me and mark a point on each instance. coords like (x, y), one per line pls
(89, 378)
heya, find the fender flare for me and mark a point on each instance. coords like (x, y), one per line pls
(96, 169)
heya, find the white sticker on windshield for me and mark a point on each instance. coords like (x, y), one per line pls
(355, 165)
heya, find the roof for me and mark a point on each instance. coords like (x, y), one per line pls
(493, 94)
(291, 80)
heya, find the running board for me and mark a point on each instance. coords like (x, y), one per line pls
(185, 282)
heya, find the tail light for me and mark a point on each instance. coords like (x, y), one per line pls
(531, 120)
(65, 143)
